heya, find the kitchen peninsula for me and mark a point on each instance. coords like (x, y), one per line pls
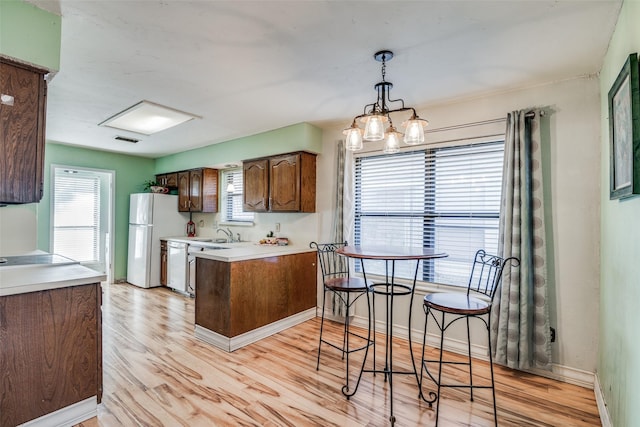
(51, 334)
(248, 292)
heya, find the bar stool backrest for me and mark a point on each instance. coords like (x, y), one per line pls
(486, 273)
(332, 264)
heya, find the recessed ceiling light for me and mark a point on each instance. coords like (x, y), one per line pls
(147, 118)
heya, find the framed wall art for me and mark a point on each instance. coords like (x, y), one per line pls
(624, 131)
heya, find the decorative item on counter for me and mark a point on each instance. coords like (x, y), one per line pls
(191, 227)
(271, 240)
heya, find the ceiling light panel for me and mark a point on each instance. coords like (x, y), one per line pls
(147, 118)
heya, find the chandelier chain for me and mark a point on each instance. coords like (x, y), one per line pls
(384, 68)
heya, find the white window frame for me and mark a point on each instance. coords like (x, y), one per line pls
(231, 213)
(105, 263)
(429, 272)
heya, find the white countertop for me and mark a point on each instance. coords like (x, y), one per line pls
(41, 277)
(241, 251)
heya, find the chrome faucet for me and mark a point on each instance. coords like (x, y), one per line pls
(228, 233)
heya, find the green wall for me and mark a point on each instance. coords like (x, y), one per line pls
(619, 339)
(130, 174)
(30, 34)
(299, 137)
(132, 171)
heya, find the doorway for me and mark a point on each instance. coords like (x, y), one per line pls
(82, 216)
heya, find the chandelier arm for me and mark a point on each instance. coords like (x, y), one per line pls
(372, 106)
(398, 110)
(395, 100)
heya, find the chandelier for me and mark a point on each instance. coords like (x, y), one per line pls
(377, 114)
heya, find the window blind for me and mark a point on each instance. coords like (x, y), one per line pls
(232, 200)
(76, 215)
(444, 198)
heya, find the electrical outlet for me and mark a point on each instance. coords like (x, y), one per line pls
(277, 227)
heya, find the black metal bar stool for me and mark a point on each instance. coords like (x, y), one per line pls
(486, 274)
(337, 281)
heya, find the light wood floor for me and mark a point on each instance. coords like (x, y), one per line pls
(157, 374)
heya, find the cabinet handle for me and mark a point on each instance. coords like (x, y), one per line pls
(6, 99)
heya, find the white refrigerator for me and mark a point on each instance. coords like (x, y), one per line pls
(151, 216)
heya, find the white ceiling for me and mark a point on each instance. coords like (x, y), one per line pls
(250, 66)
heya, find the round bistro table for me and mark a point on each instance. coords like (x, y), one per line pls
(390, 289)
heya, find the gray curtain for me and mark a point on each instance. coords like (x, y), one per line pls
(520, 316)
(338, 308)
(338, 220)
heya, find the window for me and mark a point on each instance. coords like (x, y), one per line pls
(76, 215)
(443, 198)
(232, 197)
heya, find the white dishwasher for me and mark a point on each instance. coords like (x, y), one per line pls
(177, 266)
(191, 267)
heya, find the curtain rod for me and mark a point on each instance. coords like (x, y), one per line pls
(480, 123)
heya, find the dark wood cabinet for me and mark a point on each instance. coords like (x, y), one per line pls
(237, 297)
(163, 262)
(169, 180)
(256, 185)
(23, 92)
(198, 190)
(51, 355)
(284, 183)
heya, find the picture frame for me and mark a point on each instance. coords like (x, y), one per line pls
(624, 131)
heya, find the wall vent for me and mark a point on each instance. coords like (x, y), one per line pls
(125, 139)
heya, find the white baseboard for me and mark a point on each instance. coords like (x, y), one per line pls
(602, 405)
(558, 372)
(68, 416)
(234, 343)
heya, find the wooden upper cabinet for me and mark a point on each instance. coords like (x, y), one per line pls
(256, 185)
(198, 190)
(23, 92)
(169, 180)
(285, 183)
(184, 198)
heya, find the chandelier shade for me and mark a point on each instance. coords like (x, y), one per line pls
(354, 137)
(392, 141)
(376, 114)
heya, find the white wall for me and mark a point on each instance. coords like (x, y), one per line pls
(18, 229)
(571, 131)
(299, 228)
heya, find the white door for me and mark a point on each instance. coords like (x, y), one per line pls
(82, 216)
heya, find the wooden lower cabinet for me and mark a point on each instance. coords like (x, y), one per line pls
(237, 297)
(163, 262)
(50, 352)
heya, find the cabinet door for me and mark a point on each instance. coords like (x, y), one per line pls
(195, 190)
(256, 185)
(171, 180)
(163, 262)
(209, 190)
(285, 183)
(22, 123)
(168, 180)
(183, 191)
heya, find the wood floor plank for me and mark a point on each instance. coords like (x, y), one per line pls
(156, 373)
